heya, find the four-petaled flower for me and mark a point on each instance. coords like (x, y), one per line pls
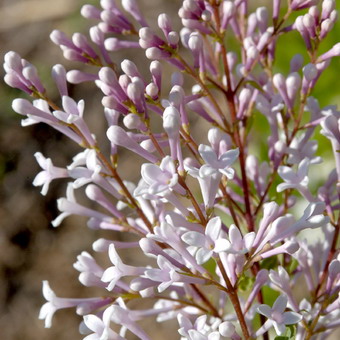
(294, 179)
(216, 164)
(207, 243)
(160, 179)
(238, 244)
(118, 270)
(277, 316)
(49, 173)
(101, 327)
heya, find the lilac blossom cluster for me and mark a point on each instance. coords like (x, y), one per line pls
(222, 229)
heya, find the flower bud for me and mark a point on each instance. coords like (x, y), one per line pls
(90, 12)
(296, 63)
(327, 7)
(164, 23)
(171, 121)
(310, 72)
(130, 68)
(195, 42)
(132, 121)
(152, 90)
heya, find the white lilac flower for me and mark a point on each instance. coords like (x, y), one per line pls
(301, 148)
(68, 206)
(281, 280)
(49, 173)
(208, 185)
(101, 327)
(277, 317)
(294, 179)
(167, 233)
(312, 217)
(238, 244)
(166, 275)
(206, 243)
(202, 329)
(90, 271)
(126, 318)
(54, 303)
(73, 114)
(214, 164)
(160, 179)
(118, 270)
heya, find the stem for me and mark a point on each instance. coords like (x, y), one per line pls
(191, 72)
(206, 300)
(181, 181)
(229, 94)
(232, 293)
(183, 302)
(329, 259)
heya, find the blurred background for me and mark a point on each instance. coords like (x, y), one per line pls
(31, 250)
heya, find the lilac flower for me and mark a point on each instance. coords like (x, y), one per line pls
(296, 180)
(73, 114)
(209, 185)
(54, 303)
(166, 275)
(68, 206)
(118, 270)
(202, 329)
(300, 149)
(238, 244)
(49, 173)
(101, 327)
(214, 164)
(208, 243)
(312, 217)
(90, 271)
(126, 318)
(167, 233)
(277, 317)
(281, 280)
(119, 137)
(209, 175)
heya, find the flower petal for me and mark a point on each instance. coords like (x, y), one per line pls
(280, 304)
(208, 154)
(265, 310)
(290, 318)
(213, 228)
(193, 238)
(203, 255)
(229, 157)
(235, 237)
(207, 170)
(280, 328)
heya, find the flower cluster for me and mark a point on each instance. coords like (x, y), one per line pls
(221, 225)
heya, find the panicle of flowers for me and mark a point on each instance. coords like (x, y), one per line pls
(217, 225)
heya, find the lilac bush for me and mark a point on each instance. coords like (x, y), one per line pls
(226, 227)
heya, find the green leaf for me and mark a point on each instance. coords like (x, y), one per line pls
(269, 295)
(281, 338)
(292, 265)
(255, 85)
(290, 331)
(210, 266)
(269, 263)
(245, 283)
